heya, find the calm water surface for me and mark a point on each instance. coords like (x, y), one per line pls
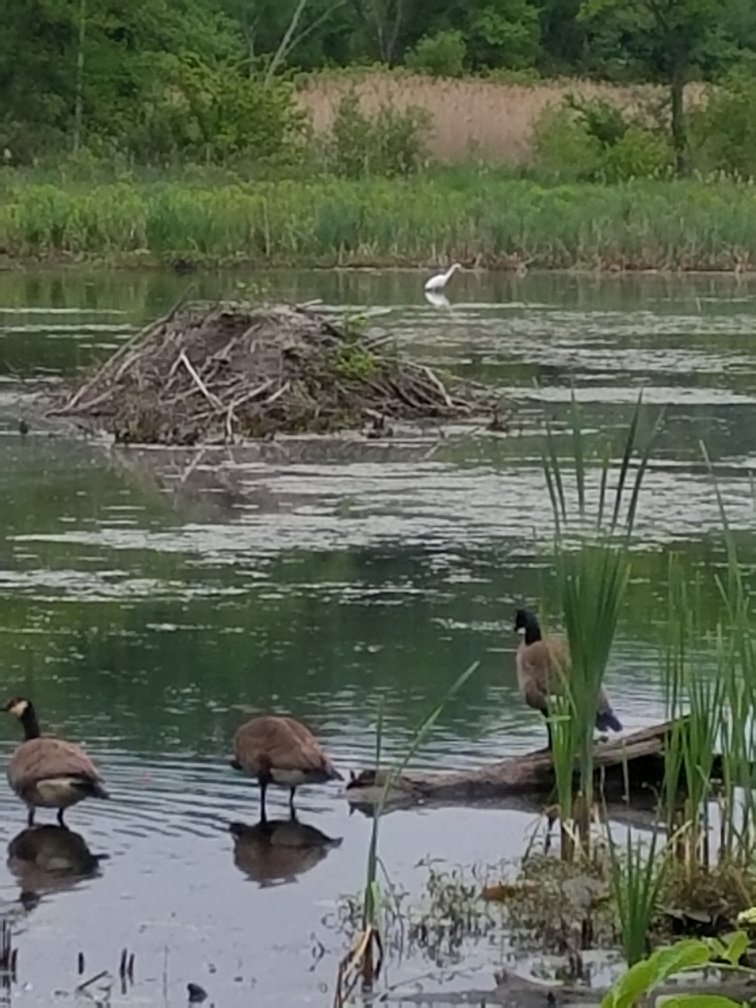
(149, 599)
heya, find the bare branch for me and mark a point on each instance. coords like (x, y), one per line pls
(285, 43)
(316, 24)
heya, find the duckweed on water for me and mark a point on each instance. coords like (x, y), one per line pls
(478, 219)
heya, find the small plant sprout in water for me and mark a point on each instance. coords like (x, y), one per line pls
(365, 959)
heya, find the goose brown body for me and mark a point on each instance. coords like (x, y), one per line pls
(280, 750)
(48, 772)
(542, 664)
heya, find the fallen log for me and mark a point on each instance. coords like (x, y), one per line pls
(634, 761)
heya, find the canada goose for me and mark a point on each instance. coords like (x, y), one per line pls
(540, 663)
(49, 772)
(280, 750)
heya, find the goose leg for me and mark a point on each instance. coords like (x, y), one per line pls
(30, 817)
(60, 817)
(291, 803)
(263, 788)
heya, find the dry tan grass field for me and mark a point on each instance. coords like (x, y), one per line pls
(470, 116)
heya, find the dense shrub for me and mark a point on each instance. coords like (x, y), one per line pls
(595, 141)
(393, 142)
(442, 54)
(211, 113)
(723, 130)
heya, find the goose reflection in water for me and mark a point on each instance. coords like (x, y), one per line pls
(276, 851)
(46, 859)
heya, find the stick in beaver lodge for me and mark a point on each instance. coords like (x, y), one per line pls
(636, 760)
(216, 373)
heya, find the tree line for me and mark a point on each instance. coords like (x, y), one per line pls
(157, 79)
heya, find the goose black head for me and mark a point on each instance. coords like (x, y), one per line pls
(527, 625)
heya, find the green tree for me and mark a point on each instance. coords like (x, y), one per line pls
(669, 41)
(74, 71)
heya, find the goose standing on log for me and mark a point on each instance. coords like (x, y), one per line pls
(541, 662)
(440, 280)
(279, 750)
(48, 772)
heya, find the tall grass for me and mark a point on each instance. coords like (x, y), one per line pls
(592, 571)
(636, 877)
(434, 218)
(493, 118)
(736, 666)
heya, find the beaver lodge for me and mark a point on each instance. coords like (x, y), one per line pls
(218, 373)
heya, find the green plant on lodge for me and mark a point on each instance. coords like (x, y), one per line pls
(364, 960)
(592, 569)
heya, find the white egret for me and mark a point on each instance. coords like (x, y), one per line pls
(440, 280)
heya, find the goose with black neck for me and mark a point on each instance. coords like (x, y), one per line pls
(48, 772)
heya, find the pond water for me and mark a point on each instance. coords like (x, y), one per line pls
(149, 600)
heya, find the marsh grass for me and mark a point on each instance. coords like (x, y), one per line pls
(636, 878)
(736, 671)
(471, 116)
(592, 571)
(478, 218)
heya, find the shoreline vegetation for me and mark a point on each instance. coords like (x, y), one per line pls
(319, 133)
(482, 218)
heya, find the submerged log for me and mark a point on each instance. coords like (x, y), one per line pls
(634, 762)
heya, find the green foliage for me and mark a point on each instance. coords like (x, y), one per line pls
(640, 153)
(356, 363)
(505, 34)
(723, 129)
(212, 114)
(564, 149)
(167, 80)
(592, 571)
(594, 140)
(391, 143)
(442, 54)
(665, 37)
(602, 120)
(663, 225)
(636, 881)
(669, 41)
(669, 962)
